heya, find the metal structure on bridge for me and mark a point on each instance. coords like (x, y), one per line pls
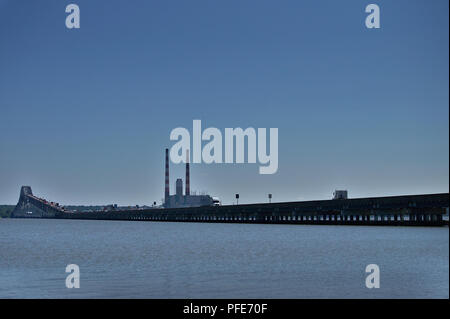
(408, 210)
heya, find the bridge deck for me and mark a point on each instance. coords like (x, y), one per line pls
(394, 210)
(398, 210)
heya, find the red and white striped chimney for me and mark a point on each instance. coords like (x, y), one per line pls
(188, 183)
(167, 189)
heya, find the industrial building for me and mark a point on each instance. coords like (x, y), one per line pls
(340, 194)
(186, 200)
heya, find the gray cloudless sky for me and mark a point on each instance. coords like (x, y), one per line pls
(85, 114)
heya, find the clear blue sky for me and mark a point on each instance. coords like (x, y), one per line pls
(85, 114)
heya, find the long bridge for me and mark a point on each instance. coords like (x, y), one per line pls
(408, 210)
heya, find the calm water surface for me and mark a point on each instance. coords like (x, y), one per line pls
(196, 260)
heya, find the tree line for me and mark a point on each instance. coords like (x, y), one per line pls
(6, 210)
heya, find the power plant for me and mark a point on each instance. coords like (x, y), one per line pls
(187, 200)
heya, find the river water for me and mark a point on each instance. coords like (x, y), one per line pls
(199, 260)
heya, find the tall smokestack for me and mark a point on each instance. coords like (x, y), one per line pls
(167, 189)
(188, 183)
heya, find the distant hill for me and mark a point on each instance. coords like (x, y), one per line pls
(82, 208)
(6, 210)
